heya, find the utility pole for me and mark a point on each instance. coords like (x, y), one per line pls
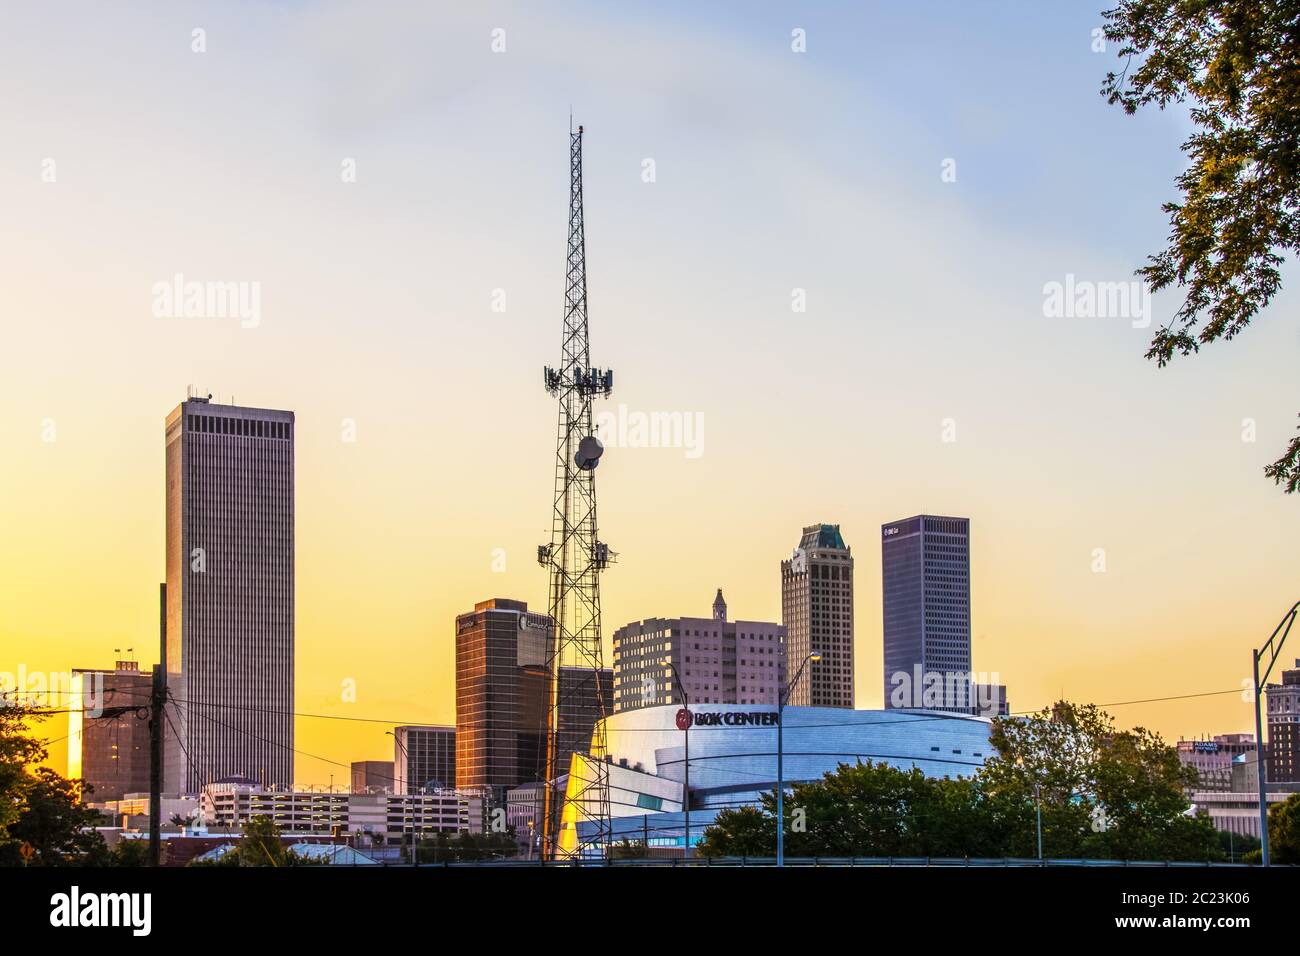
(156, 702)
(1273, 650)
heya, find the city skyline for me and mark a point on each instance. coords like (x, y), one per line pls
(1094, 482)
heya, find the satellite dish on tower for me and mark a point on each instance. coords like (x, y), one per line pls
(588, 454)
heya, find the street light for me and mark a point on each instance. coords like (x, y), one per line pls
(1038, 805)
(686, 785)
(782, 694)
(406, 804)
(1284, 627)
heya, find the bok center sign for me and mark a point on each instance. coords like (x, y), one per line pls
(727, 718)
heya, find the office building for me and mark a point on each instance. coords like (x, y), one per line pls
(718, 661)
(372, 776)
(817, 611)
(503, 698)
(1214, 759)
(229, 594)
(108, 748)
(424, 758)
(925, 566)
(1282, 753)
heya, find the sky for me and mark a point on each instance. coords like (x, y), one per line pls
(834, 259)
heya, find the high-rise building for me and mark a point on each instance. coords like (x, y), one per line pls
(373, 776)
(502, 698)
(925, 565)
(109, 748)
(229, 595)
(1282, 752)
(817, 610)
(424, 758)
(718, 661)
(990, 700)
(501, 694)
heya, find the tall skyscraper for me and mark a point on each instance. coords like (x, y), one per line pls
(718, 661)
(230, 595)
(925, 565)
(502, 695)
(107, 748)
(1283, 749)
(424, 758)
(817, 610)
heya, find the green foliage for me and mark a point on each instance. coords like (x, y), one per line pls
(1104, 794)
(1234, 62)
(38, 807)
(129, 853)
(260, 845)
(1284, 831)
(464, 847)
(629, 850)
(745, 831)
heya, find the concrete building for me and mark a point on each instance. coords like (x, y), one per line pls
(718, 661)
(424, 758)
(1214, 758)
(229, 594)
(503, 698)
(372, 776)
(1234, 812)
(733, 760)
(373, 818)
(1282, 752)
(817, 611)
(108, 748)
(925, 567)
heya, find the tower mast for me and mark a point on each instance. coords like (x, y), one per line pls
(575, 557)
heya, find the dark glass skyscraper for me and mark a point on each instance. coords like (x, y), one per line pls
(925, 565)
(230, 595)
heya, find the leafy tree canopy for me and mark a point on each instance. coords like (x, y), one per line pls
(1236, 64)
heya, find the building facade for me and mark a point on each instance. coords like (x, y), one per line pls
(379, 818)
(424, 758)
(503, 698)
(817, 612)
(1282, 754)
(733, 763)
(717, 661)
(229, 644)
(925, 567)
(373, 776)
(1213, 759)
(109, 748)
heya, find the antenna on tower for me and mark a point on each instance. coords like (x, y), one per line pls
(575, 557)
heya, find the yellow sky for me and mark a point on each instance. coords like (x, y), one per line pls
(924, 304)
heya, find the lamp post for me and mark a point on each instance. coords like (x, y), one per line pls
(1038, 807)
(1273, 650)
(686, 784)
(782, 694)
(406, 804)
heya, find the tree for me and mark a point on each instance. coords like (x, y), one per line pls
(40, 808)
(1234, 63)
(1284, 831)
(1104, 793)
(744, 831)
(55, 824)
